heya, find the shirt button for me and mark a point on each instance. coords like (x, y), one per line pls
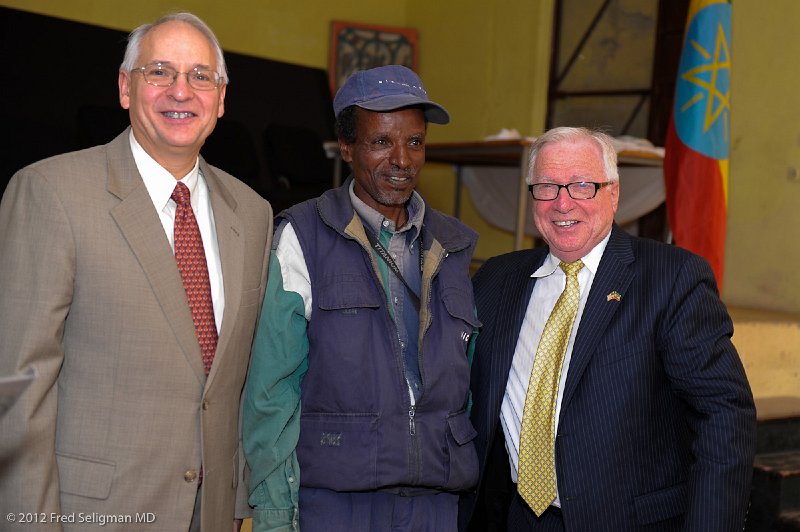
(190, 476)
(205, 404)
(386, 223)
(290, 479)
(396, 300)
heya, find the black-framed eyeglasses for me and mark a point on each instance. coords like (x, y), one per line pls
(160, 75)
(579, 190)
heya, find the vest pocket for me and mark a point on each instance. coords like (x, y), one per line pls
(462, 471)
(459, 304)
(338, 451)
(346, 291)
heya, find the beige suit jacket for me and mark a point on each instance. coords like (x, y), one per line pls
(122, 416)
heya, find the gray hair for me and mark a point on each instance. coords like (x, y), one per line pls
(560, 134)
(136, 36)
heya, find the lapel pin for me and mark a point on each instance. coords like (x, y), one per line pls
(614, 295)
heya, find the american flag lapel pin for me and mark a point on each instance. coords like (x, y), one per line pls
(614, 295)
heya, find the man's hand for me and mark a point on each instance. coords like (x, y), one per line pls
(237, 525)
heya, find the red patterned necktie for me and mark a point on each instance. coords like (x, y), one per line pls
(191, 259)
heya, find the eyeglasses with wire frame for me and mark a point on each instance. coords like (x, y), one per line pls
(578, 190)
(160, 75)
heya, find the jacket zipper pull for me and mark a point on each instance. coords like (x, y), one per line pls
(412, 429)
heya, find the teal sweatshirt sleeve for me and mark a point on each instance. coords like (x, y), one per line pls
(271, 411)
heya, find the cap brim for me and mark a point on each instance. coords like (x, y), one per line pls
(434, 112)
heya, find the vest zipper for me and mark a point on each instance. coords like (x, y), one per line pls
(414, 457)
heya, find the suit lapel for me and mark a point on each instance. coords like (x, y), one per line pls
(515, 298)
(613, 275)
(138, 221)
(230, 238)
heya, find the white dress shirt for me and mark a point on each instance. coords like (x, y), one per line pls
(551, 281)
(160, 184)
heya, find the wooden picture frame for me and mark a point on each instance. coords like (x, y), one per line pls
(356, 46)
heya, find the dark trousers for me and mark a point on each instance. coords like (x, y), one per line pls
(331, 511)
(195, 525)
(521, 518)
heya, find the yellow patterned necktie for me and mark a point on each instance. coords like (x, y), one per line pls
(536, 476)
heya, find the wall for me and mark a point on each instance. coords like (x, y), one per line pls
(275, 29)
(488, 68)
(487, 62)
(763, 251)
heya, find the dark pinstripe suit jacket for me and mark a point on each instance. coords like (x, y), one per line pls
(657, 423)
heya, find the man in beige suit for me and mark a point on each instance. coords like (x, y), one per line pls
(125, 427)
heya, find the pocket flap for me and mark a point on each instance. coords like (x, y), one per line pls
(84, 476)
(461, 428)
(459, 304)
(346, 291)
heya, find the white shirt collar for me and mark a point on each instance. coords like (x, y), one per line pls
(591, 260)
(158, 181)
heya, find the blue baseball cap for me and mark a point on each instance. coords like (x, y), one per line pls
(387, 88)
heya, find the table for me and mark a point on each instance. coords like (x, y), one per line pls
(513, 152)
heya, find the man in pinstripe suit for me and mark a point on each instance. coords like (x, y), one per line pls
(654, 417)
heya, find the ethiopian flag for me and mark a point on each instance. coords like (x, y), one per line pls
(698, 139)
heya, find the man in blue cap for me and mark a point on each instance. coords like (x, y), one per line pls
(355, 412)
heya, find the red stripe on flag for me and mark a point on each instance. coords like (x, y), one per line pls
(695, 202)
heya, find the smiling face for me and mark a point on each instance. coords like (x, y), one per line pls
(172, 123)
(387, 156)
(573, 227)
